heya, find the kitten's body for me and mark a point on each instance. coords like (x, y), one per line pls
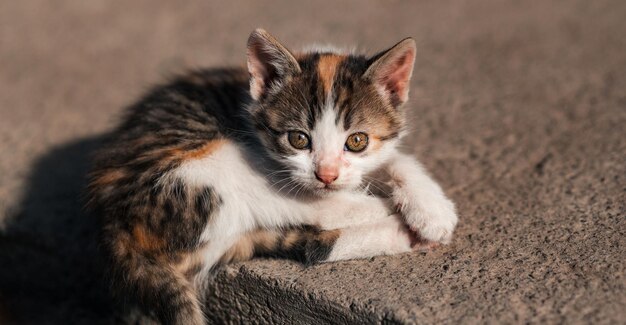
(202, 172)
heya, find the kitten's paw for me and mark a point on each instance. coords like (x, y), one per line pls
(434, 221)
(420, 244)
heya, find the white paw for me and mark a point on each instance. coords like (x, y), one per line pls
(434, 220)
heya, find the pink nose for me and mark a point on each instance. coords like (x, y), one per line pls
(326, 176)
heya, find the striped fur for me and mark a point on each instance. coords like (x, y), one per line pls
(307, 244)
(200, 172)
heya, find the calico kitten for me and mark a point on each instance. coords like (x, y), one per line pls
(281, 159)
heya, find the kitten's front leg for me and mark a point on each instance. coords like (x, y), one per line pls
(421, 201)
(386, 236)
(349, 209)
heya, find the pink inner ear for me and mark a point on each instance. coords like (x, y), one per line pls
(259, 68)
(258, 72)
(395, 77)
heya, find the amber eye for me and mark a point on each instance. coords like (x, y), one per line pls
(357, 142)
(299, 140)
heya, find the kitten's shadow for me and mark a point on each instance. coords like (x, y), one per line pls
(50, 270)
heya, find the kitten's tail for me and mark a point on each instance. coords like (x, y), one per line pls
(159, 287)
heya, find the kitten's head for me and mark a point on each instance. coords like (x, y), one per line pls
(328, 118)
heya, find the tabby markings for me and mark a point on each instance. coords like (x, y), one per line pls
(326, 69)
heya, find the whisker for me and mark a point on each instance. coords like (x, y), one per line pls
(291, 181)
(278, 172)
(302, 187)
(382, 188)
(296, 186)
(288, 179)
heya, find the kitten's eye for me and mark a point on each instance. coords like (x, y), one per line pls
(299, 140)
(357, 142)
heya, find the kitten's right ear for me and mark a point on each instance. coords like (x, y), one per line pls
(268, 62)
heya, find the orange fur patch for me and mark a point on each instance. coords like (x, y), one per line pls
(329, 237)
(375, 143)
(247, 245)
(264, 240)
(242, 250)
(145, 240)
(203, 151)
(190, 263)
(109, 177)
(290, 240)
(326, 68)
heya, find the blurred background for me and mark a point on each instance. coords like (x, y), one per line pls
(518, 109)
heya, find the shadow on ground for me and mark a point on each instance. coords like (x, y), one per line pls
(51, 271)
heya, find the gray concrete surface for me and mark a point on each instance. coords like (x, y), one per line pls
(519, 109)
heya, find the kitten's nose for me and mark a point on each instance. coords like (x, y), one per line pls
(326, 176)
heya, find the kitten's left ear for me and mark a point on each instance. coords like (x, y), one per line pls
(391, 71)
(268, 62)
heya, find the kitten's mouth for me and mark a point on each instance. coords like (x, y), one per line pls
(330, 187)
(323, 189)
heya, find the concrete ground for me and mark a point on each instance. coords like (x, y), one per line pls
(519, 110)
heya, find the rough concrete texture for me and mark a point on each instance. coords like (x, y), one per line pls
(519, 109)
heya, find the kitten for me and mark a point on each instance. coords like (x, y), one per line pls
(281, 159)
